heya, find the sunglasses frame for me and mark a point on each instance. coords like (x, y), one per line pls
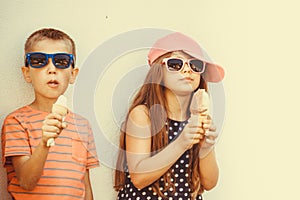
(184, 61)
(28, 55)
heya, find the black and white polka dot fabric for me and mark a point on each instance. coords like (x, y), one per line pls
(182, 190)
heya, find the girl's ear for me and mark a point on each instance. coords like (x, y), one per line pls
(73, 75)
(26, 74)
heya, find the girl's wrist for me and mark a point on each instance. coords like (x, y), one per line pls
(205, 152)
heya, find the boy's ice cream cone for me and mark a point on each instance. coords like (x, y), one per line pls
(59, 107)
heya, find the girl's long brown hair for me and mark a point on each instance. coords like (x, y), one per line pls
(151, 93)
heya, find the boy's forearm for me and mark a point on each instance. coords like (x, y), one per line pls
(88, 187)
(30, 168)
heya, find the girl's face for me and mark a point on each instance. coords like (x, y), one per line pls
(182, 82)
(49, 82)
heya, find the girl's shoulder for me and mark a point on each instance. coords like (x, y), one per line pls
(139, 114)
(141, 108)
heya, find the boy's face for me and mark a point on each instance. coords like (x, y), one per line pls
(49, 82)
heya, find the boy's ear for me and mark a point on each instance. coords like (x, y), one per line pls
(26, 75)
(74, 74)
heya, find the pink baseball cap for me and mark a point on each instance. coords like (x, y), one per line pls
(178, 41)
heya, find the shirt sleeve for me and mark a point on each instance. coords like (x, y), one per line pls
(92, 157)
(14, 139)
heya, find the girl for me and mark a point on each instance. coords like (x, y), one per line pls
(161, 152)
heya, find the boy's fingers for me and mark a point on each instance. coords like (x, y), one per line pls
(64, 125)
(50, 134)
(51, 129)
(54, 116)
(52, 122)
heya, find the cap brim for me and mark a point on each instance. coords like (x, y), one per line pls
(213, 73)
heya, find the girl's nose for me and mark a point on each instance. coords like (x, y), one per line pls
(186, 67)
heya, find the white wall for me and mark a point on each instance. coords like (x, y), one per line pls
(256, 41)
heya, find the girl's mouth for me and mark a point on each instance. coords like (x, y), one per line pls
(187, 79)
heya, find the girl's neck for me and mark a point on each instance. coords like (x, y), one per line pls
(178, 106)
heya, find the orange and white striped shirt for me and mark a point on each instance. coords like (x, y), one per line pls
(74, 152)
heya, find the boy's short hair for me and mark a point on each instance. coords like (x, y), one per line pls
(49, 33)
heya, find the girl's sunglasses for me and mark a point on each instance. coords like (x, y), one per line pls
(59, 60)
(176, 64)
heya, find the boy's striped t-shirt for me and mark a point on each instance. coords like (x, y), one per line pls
(63, 175)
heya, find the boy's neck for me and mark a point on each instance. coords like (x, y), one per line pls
(45, 106)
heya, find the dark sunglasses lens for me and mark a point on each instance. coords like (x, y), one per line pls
(37, 60)
(197, 65)
(174, 64)
(62, 61)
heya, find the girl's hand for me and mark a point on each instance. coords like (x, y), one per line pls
(209, 139)
(192, 133)
(52, 127)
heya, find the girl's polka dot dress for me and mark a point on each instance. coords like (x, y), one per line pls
(182, 190)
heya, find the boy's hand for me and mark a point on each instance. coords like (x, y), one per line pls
(52, 127)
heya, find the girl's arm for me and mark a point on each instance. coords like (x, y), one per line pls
(209, 171)
(145, 169)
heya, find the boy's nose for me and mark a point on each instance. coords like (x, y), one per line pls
(50, 67)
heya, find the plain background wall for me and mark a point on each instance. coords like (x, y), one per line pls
(256, 41)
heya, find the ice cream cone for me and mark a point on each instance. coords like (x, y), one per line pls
(59, 107)
(200, 103)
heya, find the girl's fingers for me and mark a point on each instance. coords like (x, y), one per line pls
(210, 141)
(211, 134)
(197, 136)
(212, 128)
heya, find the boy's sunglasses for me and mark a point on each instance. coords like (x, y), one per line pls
(176, 64)
(59, 60)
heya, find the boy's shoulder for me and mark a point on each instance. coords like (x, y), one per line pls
(20, 112)
(76, 115)
(27, 113)
(77, 118)
(22, 115)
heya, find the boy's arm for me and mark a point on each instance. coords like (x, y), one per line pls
(88, 187)
(30, 168)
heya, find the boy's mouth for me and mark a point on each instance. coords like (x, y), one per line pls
(52, 83)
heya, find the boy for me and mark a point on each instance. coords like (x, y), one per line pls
(34, 170)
